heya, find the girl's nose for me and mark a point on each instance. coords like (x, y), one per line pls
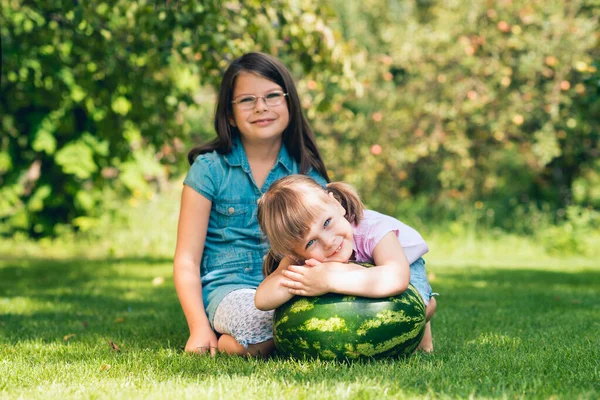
(261, 105)
(329, 241)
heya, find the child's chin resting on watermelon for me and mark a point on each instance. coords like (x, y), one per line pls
(319, 235)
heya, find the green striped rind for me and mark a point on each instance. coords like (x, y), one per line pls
(334, 324)
(301, 305)
(347, 327)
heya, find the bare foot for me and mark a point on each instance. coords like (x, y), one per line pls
(227, 344)
(426, 344)
(261, 349)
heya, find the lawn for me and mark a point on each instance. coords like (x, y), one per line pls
(112, 328)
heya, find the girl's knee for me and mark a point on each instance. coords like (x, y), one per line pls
(430, 308)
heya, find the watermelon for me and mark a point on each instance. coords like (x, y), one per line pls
(340, 327)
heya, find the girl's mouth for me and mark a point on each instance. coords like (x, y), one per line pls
(263, 122)
(338, 249)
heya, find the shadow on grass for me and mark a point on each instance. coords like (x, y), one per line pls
(131, 300)
(517, 299)
(501, 333)
(496, 331)
(51, 298)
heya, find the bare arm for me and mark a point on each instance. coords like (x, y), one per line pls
(270, 294)
(191, 236)
(389, 276)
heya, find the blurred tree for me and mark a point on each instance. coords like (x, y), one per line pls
(433, 107)
(94, 93)
(490, 106)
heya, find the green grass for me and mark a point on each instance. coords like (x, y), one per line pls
(512, 322)
(510, 331)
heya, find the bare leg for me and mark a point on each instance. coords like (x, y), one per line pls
(426, 344)
(237, 316)
(227, 344)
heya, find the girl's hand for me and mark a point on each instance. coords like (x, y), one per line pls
(310, 279)
(202, 341)
(311, 262)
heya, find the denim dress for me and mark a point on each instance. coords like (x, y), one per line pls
(235, 247)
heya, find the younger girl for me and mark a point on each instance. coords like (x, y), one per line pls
(314, 233)
(262, 136)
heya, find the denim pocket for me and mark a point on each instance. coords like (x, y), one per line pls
(232, 215)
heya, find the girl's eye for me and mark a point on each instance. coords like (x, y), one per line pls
(310, 243)
(246, 100)
(327, 222)
(274, 96)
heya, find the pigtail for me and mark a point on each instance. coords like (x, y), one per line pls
(347, 196)
(271, 263)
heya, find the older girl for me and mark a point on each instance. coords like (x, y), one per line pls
(262, 136)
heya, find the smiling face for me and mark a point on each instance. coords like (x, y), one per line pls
(261, 122)
(330, 237)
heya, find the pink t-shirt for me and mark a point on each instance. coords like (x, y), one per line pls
(374, 226)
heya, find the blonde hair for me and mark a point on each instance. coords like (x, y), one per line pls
(291, 205)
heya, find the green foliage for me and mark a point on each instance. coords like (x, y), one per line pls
(94, 94)
(471, 106)
(486, 112)
(576, 234)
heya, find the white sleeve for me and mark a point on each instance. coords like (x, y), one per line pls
(415, 251)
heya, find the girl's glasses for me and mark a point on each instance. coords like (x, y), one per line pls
(249, 102)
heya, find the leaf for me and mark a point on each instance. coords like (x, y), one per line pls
(113, 346)
(44, 141)
(105, 367)
(36, 202)
(85, 223)
(5, 162)
(159, 280)
(76, 158)
(69, 336)
(121, 105)
(85, 199)
(99, 146)
(77, 93)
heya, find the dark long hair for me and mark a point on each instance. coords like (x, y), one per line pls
(298, 137)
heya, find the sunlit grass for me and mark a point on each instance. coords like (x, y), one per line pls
(513, 322)
(514, 331)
